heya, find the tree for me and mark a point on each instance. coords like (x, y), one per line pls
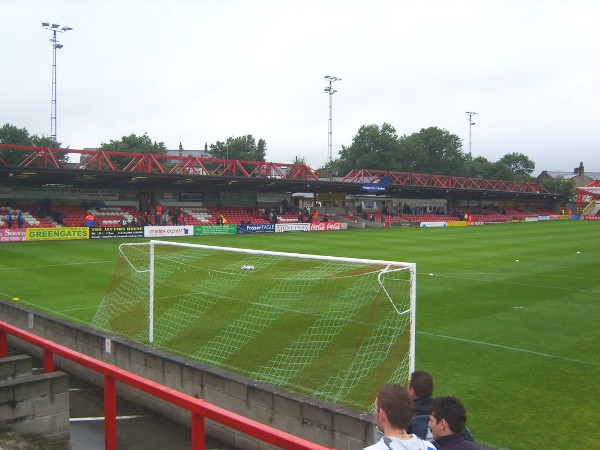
(10, 134)
(433, 151)
(520, 164)
(373, 147)
(565, 186)
(135, 144)
(241, 147)
(300, 160)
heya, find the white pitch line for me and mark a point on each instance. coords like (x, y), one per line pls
(56, 265)
(514, 349)
(79, 309)
(570, 289)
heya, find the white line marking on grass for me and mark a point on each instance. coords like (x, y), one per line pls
(514, 349)
(56, 265)
(570, 289)
(79, 309)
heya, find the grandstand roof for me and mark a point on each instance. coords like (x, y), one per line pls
(98, 169)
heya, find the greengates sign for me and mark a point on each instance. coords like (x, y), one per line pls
(47, 234)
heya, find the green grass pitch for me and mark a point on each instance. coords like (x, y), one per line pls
(506, 314)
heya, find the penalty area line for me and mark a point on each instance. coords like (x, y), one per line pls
(514, 349)
(86, 263)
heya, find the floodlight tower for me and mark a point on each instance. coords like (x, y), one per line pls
(329, 89)
(471, 123)
(55, 28)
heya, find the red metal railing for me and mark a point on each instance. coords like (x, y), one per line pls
(198, 408)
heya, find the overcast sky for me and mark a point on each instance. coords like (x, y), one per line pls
(202, 71)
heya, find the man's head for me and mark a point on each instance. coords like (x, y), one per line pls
(448, 416)
(420, 384)
(393, 407)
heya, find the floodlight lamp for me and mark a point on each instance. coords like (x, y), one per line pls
(55, 25)
(63, 29)
(58, 46)
(45, 24)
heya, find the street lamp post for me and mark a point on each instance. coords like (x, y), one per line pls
(54, 28)
(471, 123)
(329, 89)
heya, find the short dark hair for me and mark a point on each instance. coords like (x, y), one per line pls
(396, 403)
(422, 383)
(452, 410)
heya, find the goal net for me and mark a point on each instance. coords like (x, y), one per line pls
(332, 328)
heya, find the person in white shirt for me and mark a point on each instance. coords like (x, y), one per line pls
(392, 412)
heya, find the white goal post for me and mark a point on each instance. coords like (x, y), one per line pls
(331, 327)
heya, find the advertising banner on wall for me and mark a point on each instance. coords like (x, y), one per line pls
(404, 224)
(433, 224)
(255, 228)
(116, 232)
(288, 227)
(10, 235)
(214, 229)
(154, 231)
(48, 234)
(326, 226)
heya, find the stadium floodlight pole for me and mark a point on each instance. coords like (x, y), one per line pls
(55, 28)
(471, 123)
(329, 89)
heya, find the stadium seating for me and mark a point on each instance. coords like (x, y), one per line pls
(31, 220)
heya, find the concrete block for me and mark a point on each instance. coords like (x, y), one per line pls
(15, 366)
(287, 407)
(352, 426)
(260, 397)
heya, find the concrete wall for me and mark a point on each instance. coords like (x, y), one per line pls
(320, 422)
(36, 406)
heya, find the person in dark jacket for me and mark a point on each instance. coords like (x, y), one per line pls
(420, 389)
(447, 422)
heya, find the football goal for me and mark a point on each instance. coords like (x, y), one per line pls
(329, 327)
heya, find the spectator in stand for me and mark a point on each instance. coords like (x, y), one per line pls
(158, 212)
(392, 411)
(124, 222)
(447, 422)
(165, 217)
(175, 216)
(89, 219)
(20, 220)
(9, 220)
